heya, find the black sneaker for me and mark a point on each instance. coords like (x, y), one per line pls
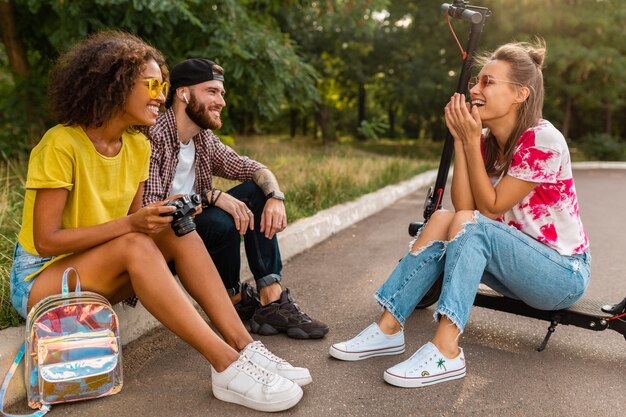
(285, 316)
(249, 302)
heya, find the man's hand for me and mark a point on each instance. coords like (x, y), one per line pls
(274, 218)
(241, 214)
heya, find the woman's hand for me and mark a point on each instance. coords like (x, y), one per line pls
(463, 121)
(149, 219)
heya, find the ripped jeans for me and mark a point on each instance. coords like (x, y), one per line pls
(491, 252)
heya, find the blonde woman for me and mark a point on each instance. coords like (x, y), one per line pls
(516, 224)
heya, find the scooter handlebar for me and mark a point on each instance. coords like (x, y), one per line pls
(462, 13)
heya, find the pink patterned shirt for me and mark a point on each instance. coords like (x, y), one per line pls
(550, 213)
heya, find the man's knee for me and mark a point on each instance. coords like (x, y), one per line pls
(215, 226)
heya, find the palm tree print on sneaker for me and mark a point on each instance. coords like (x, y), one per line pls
(245, 383)
(367, 344)
(285, 316)
(259, 354)
(249, 302)
(425, 367)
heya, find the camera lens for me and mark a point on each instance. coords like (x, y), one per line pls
(183, 225)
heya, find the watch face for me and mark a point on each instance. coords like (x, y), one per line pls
(277, 195)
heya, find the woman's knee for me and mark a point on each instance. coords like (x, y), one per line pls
(137, 244)
(441, 217)
(458, 222)
(435, 229)
(438, 225)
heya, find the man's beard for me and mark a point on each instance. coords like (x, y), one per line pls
(200, 115)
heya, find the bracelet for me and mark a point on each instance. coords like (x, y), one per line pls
(204, 199)
(218, 197)
(214, 196)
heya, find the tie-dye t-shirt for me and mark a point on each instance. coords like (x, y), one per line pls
(550, 213)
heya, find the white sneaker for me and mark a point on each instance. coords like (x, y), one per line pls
(427, 366)
(245, 383)
(259, 354)
(369, 343)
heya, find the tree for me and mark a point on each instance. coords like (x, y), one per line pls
(336, 38)
(262, 66)
(584, 75)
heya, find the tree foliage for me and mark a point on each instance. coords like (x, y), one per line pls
(336, 65)
(263, 68)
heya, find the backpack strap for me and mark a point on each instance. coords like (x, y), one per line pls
(5, 385)
(64, 288)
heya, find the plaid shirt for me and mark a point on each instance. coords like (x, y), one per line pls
(212, 158)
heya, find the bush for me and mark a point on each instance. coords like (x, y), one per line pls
(602, 147)
(372, 130)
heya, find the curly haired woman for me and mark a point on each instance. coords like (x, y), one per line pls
(83, 209)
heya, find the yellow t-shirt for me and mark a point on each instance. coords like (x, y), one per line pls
(101, 188)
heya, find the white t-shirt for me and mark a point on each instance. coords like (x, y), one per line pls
(549, 213)
(185, 176)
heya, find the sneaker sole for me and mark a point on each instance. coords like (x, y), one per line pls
(359, 356)
(236, 398)
(293, 332)
(417, 382)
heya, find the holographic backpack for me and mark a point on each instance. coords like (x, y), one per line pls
(73, 349)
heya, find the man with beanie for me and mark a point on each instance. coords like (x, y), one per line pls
(186, 154)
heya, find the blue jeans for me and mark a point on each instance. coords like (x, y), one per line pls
(223, 241)
(491, 252)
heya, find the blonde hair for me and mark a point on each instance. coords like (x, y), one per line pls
(526, 62)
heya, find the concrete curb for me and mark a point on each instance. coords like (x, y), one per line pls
(296, 238)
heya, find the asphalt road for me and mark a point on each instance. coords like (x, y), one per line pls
(581, 373)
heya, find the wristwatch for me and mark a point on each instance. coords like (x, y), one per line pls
(278, 195)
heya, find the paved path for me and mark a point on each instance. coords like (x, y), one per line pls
(581, 373)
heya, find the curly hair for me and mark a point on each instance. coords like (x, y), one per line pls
(91, 82)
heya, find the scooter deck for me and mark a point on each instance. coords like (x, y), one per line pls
(586, 313)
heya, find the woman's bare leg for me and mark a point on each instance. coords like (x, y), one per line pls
(447, 338)
(198, 274)
(107, 269)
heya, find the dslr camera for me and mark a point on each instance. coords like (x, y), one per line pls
(182, 222)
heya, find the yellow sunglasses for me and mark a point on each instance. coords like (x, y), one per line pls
(155, 87)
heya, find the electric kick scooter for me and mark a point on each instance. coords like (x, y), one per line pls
(587, 313)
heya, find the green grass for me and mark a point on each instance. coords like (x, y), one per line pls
(12, 179)
(316, 177)
(313, 177)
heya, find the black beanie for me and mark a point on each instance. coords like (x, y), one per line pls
(191, 72)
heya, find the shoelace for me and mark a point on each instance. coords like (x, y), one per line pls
(260, 347)
(294, 307)
(260, 374)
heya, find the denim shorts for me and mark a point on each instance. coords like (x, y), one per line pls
(24, 265)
